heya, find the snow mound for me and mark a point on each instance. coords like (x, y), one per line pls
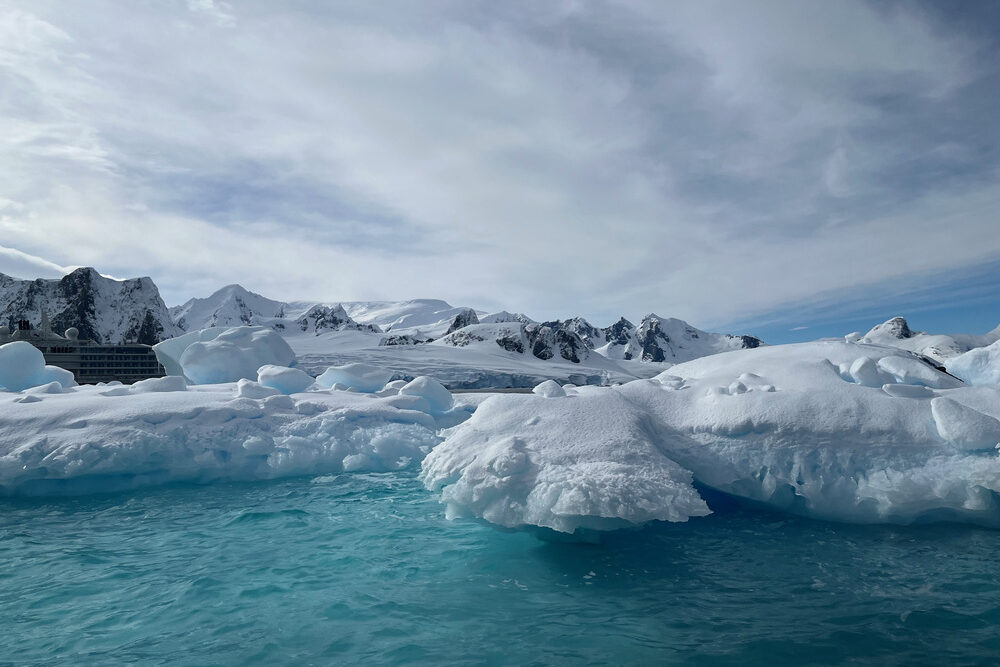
(250, 389)
(360, 377)
(158, 385)
(549, 389)
(286, 380)
(832, 430)
(980, 366)
(91, 440)
(438, 398)
(210, 356)
(22, 366)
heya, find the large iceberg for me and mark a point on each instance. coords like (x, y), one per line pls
(847, 432)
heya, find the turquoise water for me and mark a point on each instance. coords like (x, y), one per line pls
(363, 569)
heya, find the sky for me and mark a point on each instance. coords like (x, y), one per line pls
(791, 169)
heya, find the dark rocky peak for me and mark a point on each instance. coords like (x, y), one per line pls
(548, 339)
(895, 328)
(619, 333)
(463, 319)
(651, 339)
(321, 318)
(588, 333)
(749, 342)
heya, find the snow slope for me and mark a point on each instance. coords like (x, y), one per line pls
(940, 347)
(481, 364)
(839, 431)
(979, 366)
(231, 306)
(102, 309)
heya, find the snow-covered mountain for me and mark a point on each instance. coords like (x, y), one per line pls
(656, 339)
(234, 305)
(667, 339)
(419, 318)
(231, 306)
(102, 309)
(896, 332)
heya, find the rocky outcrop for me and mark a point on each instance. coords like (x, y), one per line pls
(319, 319)
(896, 328)
(465, 318)
(102, 309)
(549, 339)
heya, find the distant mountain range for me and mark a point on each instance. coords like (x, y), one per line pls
(461, 345)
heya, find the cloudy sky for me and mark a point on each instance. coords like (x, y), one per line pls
(766, 165)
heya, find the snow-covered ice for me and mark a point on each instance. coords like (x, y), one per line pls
(841, 431)
(218, 354)
(360, 377)
(106, 438)
(284, 379)
(979, 366)
(23, 366)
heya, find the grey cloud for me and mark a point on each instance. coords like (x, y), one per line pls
(706, 160)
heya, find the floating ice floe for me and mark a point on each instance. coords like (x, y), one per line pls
(847, 432)
(112, 438)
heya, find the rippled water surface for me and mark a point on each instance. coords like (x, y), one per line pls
(363, 569)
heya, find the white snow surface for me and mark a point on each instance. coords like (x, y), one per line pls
(111, 438)
(979, 366)
(219, 354)
(22, 366)
(832, 430)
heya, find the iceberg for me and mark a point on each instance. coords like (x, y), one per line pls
(215, 355)
(22, 366)
(832, 430)
(93, 439)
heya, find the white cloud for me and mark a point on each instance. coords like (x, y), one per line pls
(21, 265)
(706, 161)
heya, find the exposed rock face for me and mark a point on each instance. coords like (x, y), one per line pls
(321, 318)
(619, 333)
(102, 309)
(550, 338)
(512, 340)
(462, 320)
(651, 340)
(400, 340)
(895, 328)
(749, 342)
(591, 336)
(464, 338)
(504, 316)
